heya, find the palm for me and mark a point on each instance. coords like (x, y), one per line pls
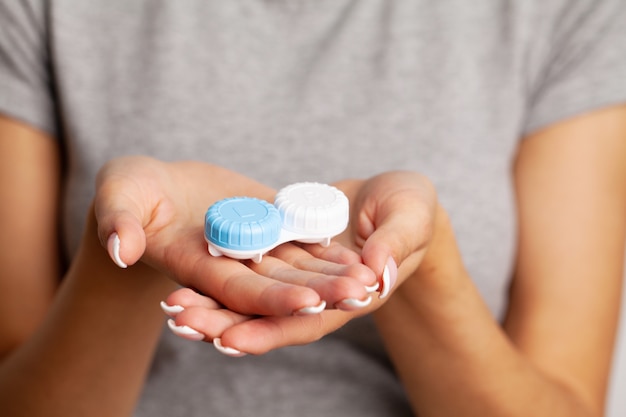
(167, 203)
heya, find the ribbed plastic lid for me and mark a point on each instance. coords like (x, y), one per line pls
(242, 223)
(311, 208)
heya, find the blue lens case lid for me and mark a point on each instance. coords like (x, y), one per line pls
(242, 224)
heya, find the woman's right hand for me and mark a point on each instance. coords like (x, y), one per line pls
(152, 211)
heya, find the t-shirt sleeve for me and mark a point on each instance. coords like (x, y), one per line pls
(26, 91)
(585, 68)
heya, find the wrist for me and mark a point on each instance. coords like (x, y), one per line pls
(435, 280)
(441, 268)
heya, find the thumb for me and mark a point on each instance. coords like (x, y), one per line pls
(120, 215)
(396, 230)
(388, 247)
(122, 234)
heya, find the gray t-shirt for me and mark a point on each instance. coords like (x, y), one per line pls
(290, 90)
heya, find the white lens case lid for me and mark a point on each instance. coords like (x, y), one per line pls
(313, 209)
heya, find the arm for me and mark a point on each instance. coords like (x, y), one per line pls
(88, 349)
(64, 351)
(27, 215)
(553, 356)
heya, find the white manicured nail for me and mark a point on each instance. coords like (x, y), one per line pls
(353, 303)
(113, 246)
(389, 278)
(386, 283)
(171, 311)
(184, 331)
(307, 311)
(217, 342)
(372, 288)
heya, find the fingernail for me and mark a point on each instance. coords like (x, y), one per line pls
(307, 311)
(372, 288)
(353, 303)
(171, 311)
(185, 331)
(113, 246)
(217, 342)
(390, 275)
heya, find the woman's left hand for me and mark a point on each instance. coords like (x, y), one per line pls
(152, 212)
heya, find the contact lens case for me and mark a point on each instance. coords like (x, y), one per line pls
(247, 228)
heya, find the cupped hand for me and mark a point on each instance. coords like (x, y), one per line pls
(394, 217)
(151, 211)
(392, 223)
(198, 317)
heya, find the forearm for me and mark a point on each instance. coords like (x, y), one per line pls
(454, 358)
(91, 354)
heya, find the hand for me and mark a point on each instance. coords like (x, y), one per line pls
(392, 223)
(153, 211)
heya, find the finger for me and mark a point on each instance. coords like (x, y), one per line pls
(334, 260)
(333, 282)
(125, 238)
(236, 286)
(395, 227)
(260, 335)
(338, 253)
(120, 213)
(272, 287)
(200, 323)
(184, 298)
(236, 334)
(380, 251)
(198, 317)
(335, 252)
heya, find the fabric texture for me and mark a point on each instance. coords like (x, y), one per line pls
(289, 90)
